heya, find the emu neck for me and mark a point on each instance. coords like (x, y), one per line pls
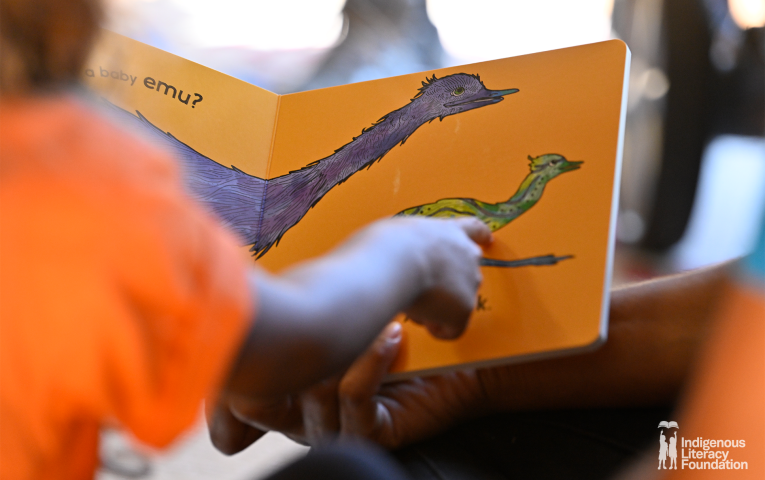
(290, 196)
(528, 194)
(371, 145)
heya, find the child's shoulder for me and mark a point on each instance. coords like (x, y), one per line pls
(64, 138)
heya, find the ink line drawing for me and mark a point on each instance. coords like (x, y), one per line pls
(261, 210)
(524, 262)
(497, 215)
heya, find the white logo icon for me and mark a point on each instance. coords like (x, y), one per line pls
(670, 449)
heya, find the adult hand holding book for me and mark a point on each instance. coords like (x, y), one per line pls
(656, 329)
(356, 404)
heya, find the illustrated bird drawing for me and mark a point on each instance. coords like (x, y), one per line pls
(497, 215)
(261, 210)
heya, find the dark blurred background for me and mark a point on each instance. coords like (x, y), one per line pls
(693, 184)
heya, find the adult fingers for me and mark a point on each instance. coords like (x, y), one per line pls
(321, 419)
(476, 230)
(360, 414)
(228, 434)
(282, 414)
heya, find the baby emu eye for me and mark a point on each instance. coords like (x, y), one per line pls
(458, 91)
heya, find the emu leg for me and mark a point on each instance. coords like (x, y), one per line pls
(537, 261)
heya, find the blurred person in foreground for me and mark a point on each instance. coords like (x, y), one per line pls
(123, 302)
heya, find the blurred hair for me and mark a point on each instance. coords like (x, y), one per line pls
(44, 43)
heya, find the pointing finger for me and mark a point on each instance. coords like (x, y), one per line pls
(476, 230)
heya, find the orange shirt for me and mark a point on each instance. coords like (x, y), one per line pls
(120, 299)
(727, 399)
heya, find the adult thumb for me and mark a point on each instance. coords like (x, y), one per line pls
(363, 378)
(360, 384)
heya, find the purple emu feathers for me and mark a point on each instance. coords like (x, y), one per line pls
(261, 211)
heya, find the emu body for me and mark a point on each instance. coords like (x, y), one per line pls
(496, 215)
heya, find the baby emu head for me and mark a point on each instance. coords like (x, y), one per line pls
(457, 93)
(551, 165)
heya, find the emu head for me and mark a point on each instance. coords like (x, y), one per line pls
(457, 93)
(551, 165)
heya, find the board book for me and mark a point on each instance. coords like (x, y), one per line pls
(531, 145)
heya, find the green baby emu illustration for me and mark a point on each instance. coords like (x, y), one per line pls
(496, 215)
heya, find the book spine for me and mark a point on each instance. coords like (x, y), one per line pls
(268, 163)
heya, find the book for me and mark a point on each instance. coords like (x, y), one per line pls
(531, 145)
(665, 424)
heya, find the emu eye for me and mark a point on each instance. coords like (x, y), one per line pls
(458, 91)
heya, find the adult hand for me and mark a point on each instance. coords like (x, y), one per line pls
(355, 405)
(655, 330)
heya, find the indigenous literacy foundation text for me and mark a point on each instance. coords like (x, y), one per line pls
(708, 454)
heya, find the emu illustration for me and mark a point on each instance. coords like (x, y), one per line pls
(496, 215)
(261, 210)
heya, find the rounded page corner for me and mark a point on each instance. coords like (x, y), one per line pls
(621, 45)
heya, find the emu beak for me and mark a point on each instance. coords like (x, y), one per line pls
(487, 97)
(571, 166)
(502, 93)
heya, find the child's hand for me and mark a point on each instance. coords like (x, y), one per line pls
(314, 319)
(445, 254)
(453, 257)
(443, 259)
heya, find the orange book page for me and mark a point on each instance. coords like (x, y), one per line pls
(569, 103)
(232, 123)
